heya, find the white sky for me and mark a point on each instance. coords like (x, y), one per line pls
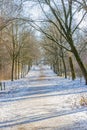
(30, 10)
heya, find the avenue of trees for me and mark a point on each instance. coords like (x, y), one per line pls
(62, 16)
(63, 37)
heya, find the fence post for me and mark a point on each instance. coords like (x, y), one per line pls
(4, 85)
(1, 85)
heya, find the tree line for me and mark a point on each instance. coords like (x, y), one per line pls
(62, 39)
(18, 45)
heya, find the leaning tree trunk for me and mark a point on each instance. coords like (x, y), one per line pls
(79, 61)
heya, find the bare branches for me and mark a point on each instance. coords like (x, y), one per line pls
(79, 23)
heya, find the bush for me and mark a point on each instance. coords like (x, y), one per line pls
(83, 101)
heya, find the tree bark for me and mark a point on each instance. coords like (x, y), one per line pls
(72, 68)
(78, 59)
(60, 68)
(15, 69)
(18, 68)
(64, 65)
(12, 71)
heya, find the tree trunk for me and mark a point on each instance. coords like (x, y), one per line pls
(21, 70)
(79, 61)
(15, 69)
(60, 68)
(64, 65)
(13, 55)
(18, 69)
(57, 63)
(28, 67)
(72, 68)
(12, 71)
(54, 68)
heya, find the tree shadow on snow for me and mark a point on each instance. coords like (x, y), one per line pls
(41, 91)
(41, 117)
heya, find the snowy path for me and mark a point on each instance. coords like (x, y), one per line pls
(43, 101)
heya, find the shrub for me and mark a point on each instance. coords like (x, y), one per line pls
(83, 101)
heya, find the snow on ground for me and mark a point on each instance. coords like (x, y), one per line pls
(43, 101)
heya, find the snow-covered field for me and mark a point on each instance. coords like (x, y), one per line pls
(43, 101)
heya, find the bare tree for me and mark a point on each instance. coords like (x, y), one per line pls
(66, 25)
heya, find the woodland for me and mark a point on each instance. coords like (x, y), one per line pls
(52, 32)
